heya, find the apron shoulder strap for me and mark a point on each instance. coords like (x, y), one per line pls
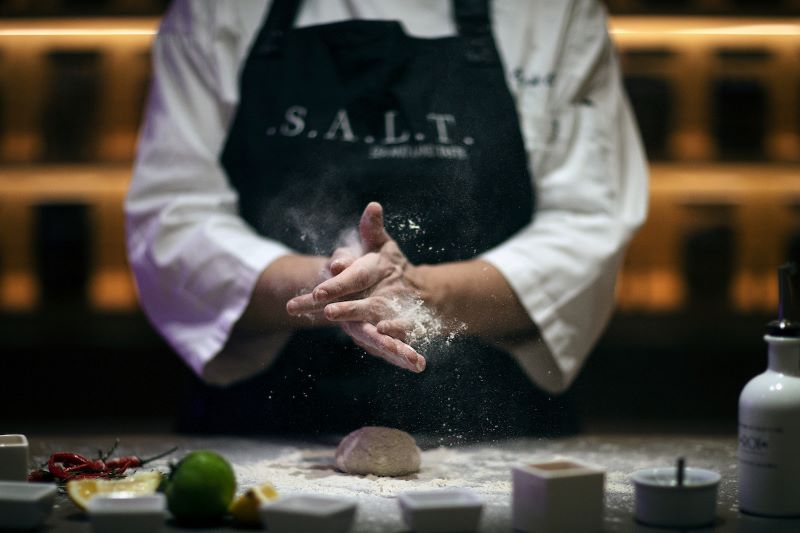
(474, 24)
(472, 20)
(472, 16)
(279, 19)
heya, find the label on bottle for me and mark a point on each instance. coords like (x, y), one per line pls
(769, 467)
(757, 445)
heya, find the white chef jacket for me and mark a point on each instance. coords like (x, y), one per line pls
(196, 262)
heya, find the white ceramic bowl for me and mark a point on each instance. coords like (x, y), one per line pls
(661, 502)
(25, 505)
(309, 514)
(13, 457)
(441, 510)
(126, 512)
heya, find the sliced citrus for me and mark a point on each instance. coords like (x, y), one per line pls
(80, 491)
(245, 508)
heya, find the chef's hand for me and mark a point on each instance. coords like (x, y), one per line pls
(366, 294)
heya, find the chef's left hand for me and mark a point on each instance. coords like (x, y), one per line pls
(367, 294)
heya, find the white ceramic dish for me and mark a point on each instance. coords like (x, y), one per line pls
(13, 458)
(441, 510)
(556, 495)
(126, 512)
(309, 514)
(25, 505)
(661, 502)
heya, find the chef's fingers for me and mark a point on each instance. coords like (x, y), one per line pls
(340, 260)
(307, 303)
(375, 345)
(364, 273)
(399, 328)
(303, 304)
(371, 309)
(371, 350)
(391, 350)
(338, 266)
(370, 228)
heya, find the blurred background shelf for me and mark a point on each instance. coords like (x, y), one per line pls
(721, 222)
(704, 88)
(105, 8)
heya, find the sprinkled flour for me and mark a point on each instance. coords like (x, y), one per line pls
(313, 471)
(427, 326)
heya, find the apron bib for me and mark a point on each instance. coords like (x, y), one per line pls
(337, 115)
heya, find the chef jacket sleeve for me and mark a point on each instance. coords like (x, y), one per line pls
(590, 177)
(195, 260)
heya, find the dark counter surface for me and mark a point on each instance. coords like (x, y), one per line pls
(295, 466)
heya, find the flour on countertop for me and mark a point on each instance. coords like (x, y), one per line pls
(313, 471)
(485, 471)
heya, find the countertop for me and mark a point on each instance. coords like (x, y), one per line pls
(296, 466)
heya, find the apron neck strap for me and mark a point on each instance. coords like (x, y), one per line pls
(280, 19)
(474, 24)
(472, 20)
(472, 17)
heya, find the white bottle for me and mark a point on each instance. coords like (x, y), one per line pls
(769, 416)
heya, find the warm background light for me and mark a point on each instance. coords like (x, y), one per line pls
(651, 279)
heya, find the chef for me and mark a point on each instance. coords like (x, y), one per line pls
(485, 159)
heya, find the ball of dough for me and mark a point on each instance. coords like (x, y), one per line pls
(378, 450)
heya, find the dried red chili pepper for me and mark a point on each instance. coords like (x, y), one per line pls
(40, 476)
(66, 466)
(121, 464)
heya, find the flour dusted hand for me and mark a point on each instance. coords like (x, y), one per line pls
(379, 451)
(368, 295)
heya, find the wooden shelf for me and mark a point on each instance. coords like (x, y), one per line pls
(761, 202)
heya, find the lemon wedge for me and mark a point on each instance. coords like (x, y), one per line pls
(245, 508)
(80, 491)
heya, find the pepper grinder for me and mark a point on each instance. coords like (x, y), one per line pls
(769, 414)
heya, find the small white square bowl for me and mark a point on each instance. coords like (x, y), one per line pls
(127, 512)
(25, 505)
(556, 495)
(441, 510)
(13, 458)
(308, 513)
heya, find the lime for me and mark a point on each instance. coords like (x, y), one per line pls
(80, 491)
(200, 487)
(245, 508)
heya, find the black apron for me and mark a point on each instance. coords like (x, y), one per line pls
(337, 115)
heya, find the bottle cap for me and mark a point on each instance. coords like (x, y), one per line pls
(788, 323)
